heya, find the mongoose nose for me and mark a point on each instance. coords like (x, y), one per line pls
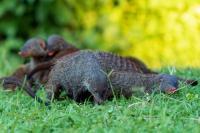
(171, 90)
(23, 54)
(50, 53)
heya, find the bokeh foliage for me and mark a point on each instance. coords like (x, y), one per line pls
(158, 32)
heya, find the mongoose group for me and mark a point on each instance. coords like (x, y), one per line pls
(84, 74)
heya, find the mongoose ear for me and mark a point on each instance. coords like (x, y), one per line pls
(192, 82)
(42, 44)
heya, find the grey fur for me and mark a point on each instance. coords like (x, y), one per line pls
(86, 71)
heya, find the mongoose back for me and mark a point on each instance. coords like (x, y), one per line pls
(108, 61)
(111, 61)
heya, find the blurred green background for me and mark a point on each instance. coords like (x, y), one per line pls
(161, 33)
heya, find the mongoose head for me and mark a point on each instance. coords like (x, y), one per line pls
(34, 47)
(168, 83)
(56, 43)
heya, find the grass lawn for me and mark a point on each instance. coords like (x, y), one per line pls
(179, 112)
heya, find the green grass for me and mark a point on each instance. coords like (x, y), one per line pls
(149, 113)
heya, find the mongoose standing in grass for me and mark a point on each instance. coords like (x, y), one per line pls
(35, 49)
(83, 74)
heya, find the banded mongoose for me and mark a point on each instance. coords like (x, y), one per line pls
(84, 73)
(110, 62)
(35, 49)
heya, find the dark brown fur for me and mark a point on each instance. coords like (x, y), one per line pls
(34, 48)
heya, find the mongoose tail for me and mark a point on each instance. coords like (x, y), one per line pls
(191, 82)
